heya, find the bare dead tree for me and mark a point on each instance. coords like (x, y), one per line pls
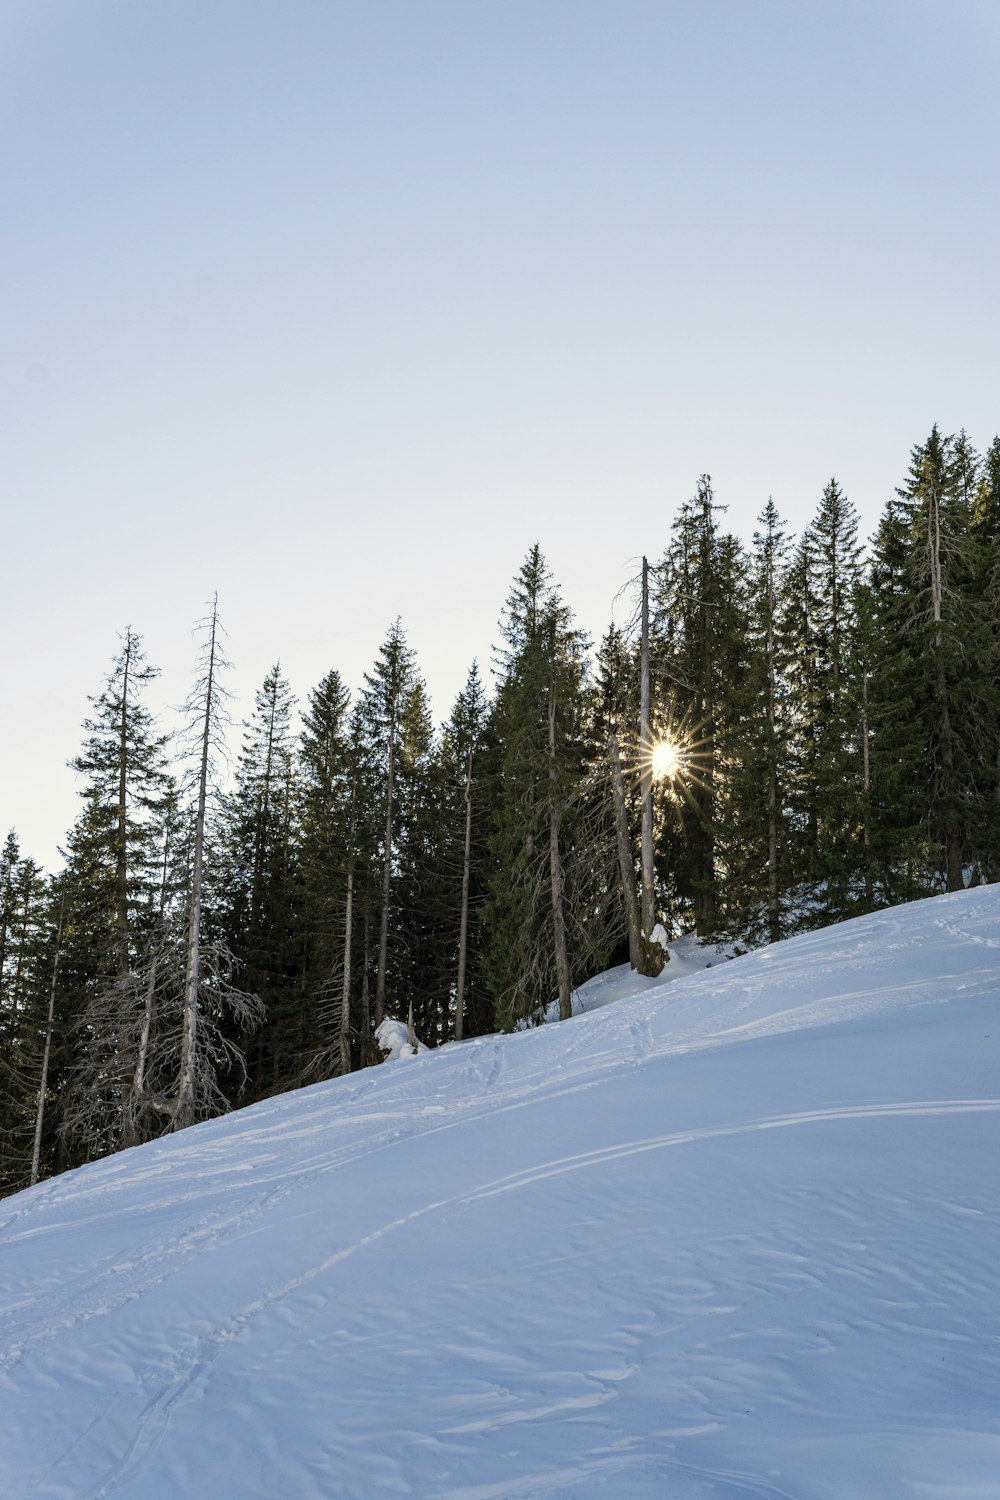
(626, 864)
(185, 1105)
(43, 1082)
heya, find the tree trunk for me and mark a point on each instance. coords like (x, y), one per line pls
(463, 924)
(555, 873)
(866, 773)
(773, 911)
(345, 1001)
(648, 905)
(139, 1075)
(951, 826)
(705, 897)
(15, 993)
(36, 1154)
(626, 862)
(5, 913)
(383, 929)
(184, 1107)
(121, 831)
(367, 1050)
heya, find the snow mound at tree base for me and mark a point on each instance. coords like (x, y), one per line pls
(737, 1235)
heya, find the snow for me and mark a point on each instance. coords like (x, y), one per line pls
(735, 1235)
(687, 955)
(394, 1040)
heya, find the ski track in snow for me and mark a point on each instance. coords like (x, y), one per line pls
(102, 1252)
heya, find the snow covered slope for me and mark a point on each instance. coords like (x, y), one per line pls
(735, 1236)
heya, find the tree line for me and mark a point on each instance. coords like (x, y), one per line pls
(788, 733)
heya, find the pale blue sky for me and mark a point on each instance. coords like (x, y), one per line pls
(336, 307)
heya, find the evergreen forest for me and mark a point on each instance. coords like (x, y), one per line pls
(789, 732)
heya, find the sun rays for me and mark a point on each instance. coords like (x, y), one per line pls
(666, 759)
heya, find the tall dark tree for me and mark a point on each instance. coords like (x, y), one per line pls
(540, 939)
(758, 873)
(24, 904)
(462, 855)
(327, 860)
(822, 600)
(416, 973)
(395, 745)
(259, 886)
(985, 542)
(699, 641)
(111, 885)
(949, 628)
(613, 715)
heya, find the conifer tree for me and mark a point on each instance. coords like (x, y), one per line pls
(462, 856)
(949, 629)
(392, 712)
(825, 682)
(757, 837)
(539, 941)
(985, 543)
(899, 855)
(23, 911)
(111, 885)
(327, 780)
(613, 712)
(700, 634)
(416, 975)
(259, 886)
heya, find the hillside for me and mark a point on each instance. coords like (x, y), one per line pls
(735, 1235)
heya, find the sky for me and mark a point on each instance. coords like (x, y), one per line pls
(336, 308)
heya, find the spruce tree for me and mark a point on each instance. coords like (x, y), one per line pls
(394, 745)
(825, 680)
(613, 745)
(462, 857)
(257, 863)
(699, 645)
(327, 825)
(949, 629)
(111, 884)
(758, 875)
(985, 543)
(24, 900)
(537, 943)
(416, 976)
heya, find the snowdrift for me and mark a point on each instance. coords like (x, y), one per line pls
(736, 1235)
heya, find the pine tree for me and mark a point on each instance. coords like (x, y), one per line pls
(539, 938)
(462, 856)
(758, 875)
(699, 643)
(416, 972)
(23, 910)
(899, 857)
(613, 713)
(951, 639)
(825, 679)
(111, 885)
(392, 716)
(985, 583)
(258, 887)
(328, 798)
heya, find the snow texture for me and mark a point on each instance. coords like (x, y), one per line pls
(394, 1040)
(735, 1235)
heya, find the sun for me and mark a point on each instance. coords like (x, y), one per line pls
(667, 759)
